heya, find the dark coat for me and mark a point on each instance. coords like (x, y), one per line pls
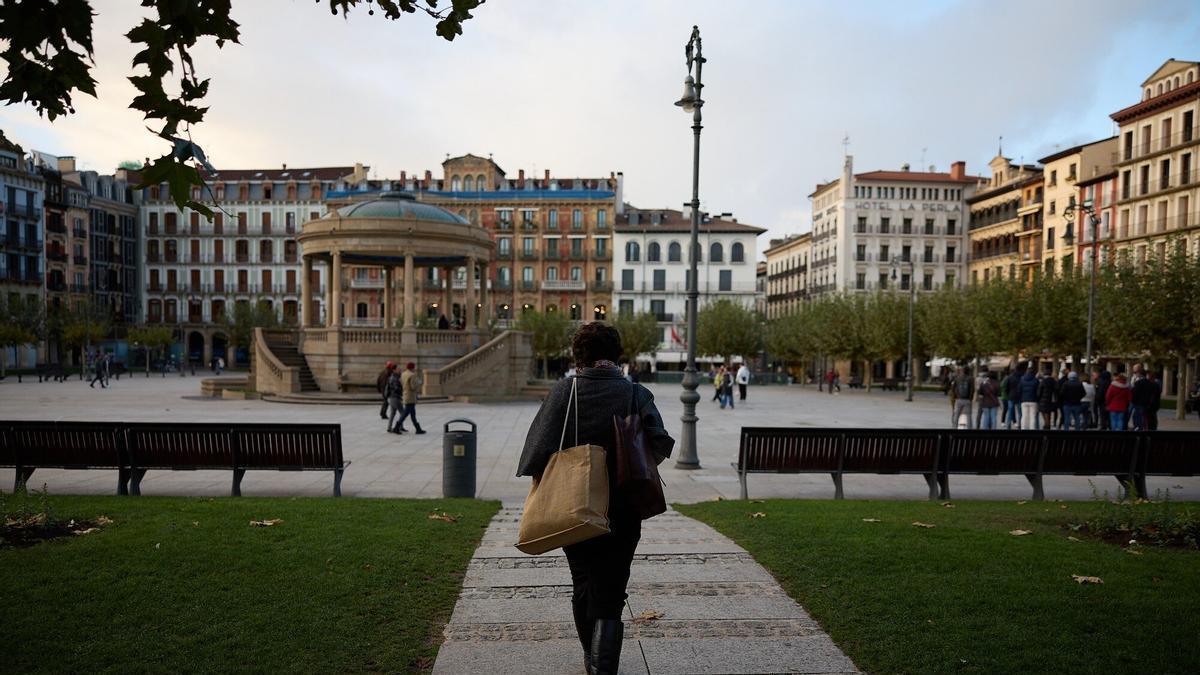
(1102, 384)
(1028, 388)
(1144, 392)
(381, 381)
(1047, 395)
(602, 393)
(1072, 392)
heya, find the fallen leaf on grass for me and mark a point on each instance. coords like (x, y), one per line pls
(195, 523)
(917, 523)
(157, 546)
(948, 505)
(1074, 539)
(443, 516)
(1020, 533)
(872, 520)
(266, 523)
(87, 531)
(1080, 579)
(1133, 551)
(648, 616)
(103, 520)
(368, 567)
(1020, 503)
(718, 498)
(1156, 579)
(1062, 506)
(758, 514)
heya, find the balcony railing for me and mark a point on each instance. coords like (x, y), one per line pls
(529, 255)
(528, 285)
(504, 255)
(602, 286)
(577, 255)
(56, 256)
(564, 285)
(1185, 135)
(356, 282)
(504, 225)
(551, 254)
(602, 255)
(79, 233)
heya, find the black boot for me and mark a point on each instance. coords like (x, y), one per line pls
(606, 646)
(583, 626)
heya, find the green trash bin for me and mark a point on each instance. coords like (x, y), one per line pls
(458, 460)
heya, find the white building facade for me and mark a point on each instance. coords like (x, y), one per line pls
(863, 222)
(651, 266)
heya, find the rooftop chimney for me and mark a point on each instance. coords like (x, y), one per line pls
(521, 179)
(958, 170)
(547, 183)
(66, 164)
(284, 168)
(904, 166)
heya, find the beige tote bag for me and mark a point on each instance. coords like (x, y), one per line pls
(569, 503)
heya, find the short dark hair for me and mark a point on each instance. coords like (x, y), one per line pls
(595, 341)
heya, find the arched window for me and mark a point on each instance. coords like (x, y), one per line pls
(1160, 88)
(1176, 84)
(469, 184)
(1190, 76)
(474, 217)
(455, 184)
(653, 252)
(674, 252)
(480, 183)
(633, 252)
(577, 273)
(737, 253)
(716, 252)
(1147, 93)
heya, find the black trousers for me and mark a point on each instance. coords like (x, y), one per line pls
(600, 570)
(383, 409)
(741, 392)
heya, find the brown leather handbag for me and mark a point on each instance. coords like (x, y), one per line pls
(638, 482)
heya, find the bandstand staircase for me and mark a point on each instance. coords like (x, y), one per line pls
(289, 355)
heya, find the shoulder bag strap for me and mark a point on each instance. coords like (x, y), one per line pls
(572, 400)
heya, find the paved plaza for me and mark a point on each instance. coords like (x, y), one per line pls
(386, 465)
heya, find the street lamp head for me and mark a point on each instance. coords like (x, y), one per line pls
(689, 100)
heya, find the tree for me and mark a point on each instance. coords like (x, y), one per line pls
(1169, 308)
(1002, 317)
(20, 324)
(151, 338)
(945, 324)
(886, 328)
(49, 56)
(244, 317)
(725, 328)
(640, 334)
(793, 337)
(550, 335)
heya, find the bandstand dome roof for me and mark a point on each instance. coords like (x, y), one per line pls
(399, 205)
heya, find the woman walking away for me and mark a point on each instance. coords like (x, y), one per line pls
(599, 566)
(1116, 400)
(393, 393)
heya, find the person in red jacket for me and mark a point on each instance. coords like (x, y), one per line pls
(1116, 401)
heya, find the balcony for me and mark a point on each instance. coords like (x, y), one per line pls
(602, 255)
(504, 255)
(1161, 143)
(577, 255)
(56, 226)
(266, 258)
(564, 285)
(431, 284)
(503, 285)
(551, 254)
(529, 255)
(664, 317)
(602, 286)
(504, 226)
(56, 285)
(242, 257)
(529, 285)
(79, 288)
(56, 256)
(357, 282)
(79, 233)
(529, 226)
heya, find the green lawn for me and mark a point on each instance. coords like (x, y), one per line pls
(186, 584)
(967, 596)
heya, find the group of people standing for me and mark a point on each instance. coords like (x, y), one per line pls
(1030, 399)
(399, 391)
(723, 380)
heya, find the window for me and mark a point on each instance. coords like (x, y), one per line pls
(737, 253)
(633, 252)
(716, 252)
(660, 280)
(576, 273)
(504, 246)
(659, 309)
(527, 274)
(860, 280)
(725, 280)
(906, 226)
(625, 308)
(552, 219)
(929, 226)
(481, 183)
(469, 184)
(951, 227)
(884, 225)
(927, 282)
(860, 252)
(577, 248)
(950, 254)
(674, 252)
(577, 219)
(527, 245)
(602, 219)
(455, 184)
(861, 226)
(552, 273)
(906, 253)
(601, 247)
(1053, 178)
(883, 280)
(653, 252)
(883, 253)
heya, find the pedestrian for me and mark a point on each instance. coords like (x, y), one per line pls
(1103, 381)
(1029, 399)
(1194, 398)
(410, 382)
(381, 386)
(837, 381)
(743, 380)
(1012, 407)
(1047, 399)
(1070, 396)
(599, 566)
(394, 394)
(1150, 412)
(1089, 401)
(829, 381)
(1116, 401)
(1062, 380)
(1141, 398)
(99, 372)
(726, 389)
(717, 378)
(962, 392)
(220, 364)
(989, 401)
(1004, 396)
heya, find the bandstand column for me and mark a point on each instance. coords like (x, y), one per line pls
(387, 297)
(485, 297)
(306, 294)
(335, 293)
(469, 305)
(410, 283)
(447, 286)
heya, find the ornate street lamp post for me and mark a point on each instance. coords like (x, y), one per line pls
(691, 102)
(912, 296)
(1069, 237)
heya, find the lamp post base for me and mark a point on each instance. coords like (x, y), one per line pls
(688, 457)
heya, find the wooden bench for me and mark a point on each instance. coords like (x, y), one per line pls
(28, 446)
(236, 447)
(1127, 456)
(838, 452)
(134, 449)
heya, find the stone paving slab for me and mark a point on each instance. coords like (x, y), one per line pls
(718, 611)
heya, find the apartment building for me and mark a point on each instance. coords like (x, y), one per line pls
(22, 190)
(112, 250)
(866, 225)
(67, 241)
(1101, 192)
(1159, 147)
(1005, 231)
(1061, 173)
(652, 270)
(787, 274)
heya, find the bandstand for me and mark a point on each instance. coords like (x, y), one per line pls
(402, 238)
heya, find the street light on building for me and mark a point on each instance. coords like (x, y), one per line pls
(897, 261)
(1069, 237)
(692, 103)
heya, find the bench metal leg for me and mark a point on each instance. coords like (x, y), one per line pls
(22, 478)
(944, 485)
(236, 491)
(1140, 482)
(122, 481)
(931, 480)
(837, 486)
(1036, 481)
(337, 482)
(135, 481)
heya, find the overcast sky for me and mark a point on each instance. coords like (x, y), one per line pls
(585, 88)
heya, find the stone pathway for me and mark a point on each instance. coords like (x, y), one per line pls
(721, 611)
